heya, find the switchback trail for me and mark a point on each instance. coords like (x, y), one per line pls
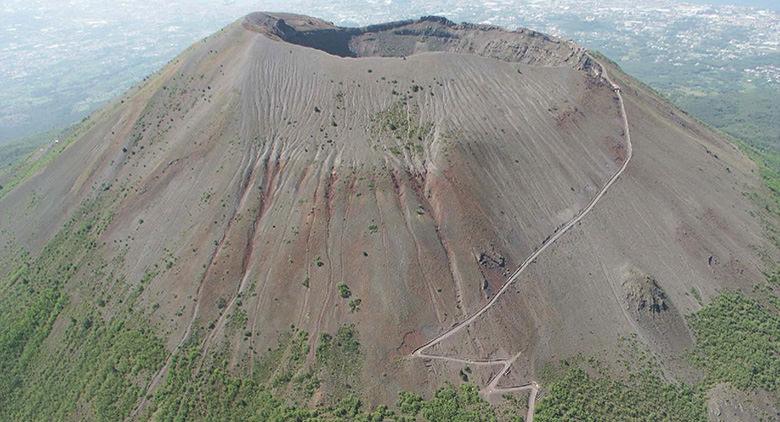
(533, 387)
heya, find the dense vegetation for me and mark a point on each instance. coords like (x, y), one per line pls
(745, 111)
(577, 395)
(738, 341)
(586, 390)
(213, 393)
(92, 366)
(280, 388)
(450, 403)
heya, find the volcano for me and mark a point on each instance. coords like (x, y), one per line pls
(332, 211)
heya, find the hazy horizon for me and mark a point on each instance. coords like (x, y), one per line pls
(59, 63)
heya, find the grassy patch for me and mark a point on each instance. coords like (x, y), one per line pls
(21, 164)
(13, 152)
(768, 162)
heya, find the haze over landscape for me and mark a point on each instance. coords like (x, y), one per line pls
(340, 215)
(719, 62)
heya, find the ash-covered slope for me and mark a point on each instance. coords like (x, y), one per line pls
(383, 181)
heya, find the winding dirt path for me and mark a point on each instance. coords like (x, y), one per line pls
(533, 387)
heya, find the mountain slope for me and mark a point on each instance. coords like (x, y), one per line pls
(232, 210)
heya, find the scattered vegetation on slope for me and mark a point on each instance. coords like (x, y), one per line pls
(402, 123)
(344, 291)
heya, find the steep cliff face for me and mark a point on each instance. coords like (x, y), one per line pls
(286, 172)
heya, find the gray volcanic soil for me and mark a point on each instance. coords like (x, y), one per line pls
(418, 162)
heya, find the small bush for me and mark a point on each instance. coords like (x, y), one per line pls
(344, 291)
(354, 305)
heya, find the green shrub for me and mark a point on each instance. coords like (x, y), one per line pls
(344, 291)
(354, 305)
